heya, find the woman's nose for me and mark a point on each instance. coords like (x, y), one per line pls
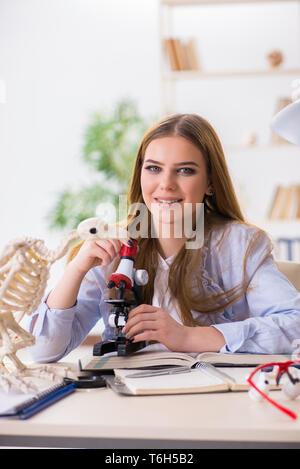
(167, 181)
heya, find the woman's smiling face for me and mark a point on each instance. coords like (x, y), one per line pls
(173, 174)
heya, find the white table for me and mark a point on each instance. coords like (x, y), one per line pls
(100, 418)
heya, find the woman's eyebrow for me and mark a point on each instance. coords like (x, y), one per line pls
(183, 163)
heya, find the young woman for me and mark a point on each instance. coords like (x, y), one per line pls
(226, 295)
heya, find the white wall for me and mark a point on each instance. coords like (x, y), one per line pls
(64, 59)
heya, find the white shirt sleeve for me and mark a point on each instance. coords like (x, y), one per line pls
(267, 319)
(59, 331)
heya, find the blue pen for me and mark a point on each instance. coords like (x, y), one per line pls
(46, 401)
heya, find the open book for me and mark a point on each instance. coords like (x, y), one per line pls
(148, 359)
(206, 379)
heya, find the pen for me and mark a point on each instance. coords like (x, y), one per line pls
(211, 370)
(169, 371)
(46, 401)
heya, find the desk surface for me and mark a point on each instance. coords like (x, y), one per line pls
(102, 418)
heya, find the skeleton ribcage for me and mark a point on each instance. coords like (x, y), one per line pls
(23, 277)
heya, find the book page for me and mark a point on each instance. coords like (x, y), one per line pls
(8, 401)
(240, 359)
(148, 358)
(136, 360)
(194, 381)
(239, 375)
(15, 397)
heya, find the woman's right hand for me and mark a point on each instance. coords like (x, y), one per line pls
(96, 252)
(91, 253)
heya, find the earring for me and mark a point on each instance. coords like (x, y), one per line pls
(210, 191)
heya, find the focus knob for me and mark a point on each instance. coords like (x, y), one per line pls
(141, 277)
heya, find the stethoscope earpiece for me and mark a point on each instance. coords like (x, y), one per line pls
(263, 385)
(291, 390)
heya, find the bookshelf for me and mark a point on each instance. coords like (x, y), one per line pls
(199, 75)
(170, 74)
(286, 237)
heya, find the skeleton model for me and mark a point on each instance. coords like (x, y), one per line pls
(24, 270)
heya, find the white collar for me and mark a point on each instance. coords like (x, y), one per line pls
(165, 263)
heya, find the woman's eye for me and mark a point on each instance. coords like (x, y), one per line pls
(186, 170)
(157, 169)
(153, 168)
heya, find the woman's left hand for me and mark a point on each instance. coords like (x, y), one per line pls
(146, 322)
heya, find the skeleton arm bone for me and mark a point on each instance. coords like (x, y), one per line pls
(52, 255)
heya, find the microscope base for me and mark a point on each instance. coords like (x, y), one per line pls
(123, 348)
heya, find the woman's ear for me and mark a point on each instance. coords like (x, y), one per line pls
(210, 190)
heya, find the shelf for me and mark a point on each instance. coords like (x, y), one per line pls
(260, 147)
(174, 3)
(197, 75)
(284, 228)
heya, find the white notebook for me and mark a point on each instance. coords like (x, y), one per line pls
(193, 381)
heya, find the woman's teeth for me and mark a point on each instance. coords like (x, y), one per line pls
(162, 201)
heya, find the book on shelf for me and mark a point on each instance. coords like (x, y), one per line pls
(182, 55)
(281, 103)
(171, 53)
(285, 204)
(152, 359)
(192, 55)
(207, 379)
(275, 209)
(298, 205)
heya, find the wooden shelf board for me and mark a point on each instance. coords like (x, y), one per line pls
(174, 3)
(261, 147)
(198, 75)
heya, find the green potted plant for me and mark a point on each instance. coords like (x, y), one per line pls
(111, 143)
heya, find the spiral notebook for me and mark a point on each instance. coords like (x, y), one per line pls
(23, 406)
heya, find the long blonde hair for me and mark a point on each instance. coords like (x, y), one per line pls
(219, 209)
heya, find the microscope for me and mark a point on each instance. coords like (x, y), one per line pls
(125, 278)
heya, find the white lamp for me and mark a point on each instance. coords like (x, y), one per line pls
(286, 123)
(2, 92)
